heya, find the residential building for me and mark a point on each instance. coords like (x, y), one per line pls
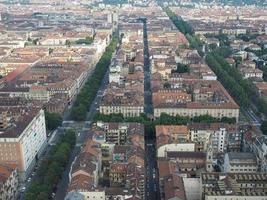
(114, 155)
(9, 182)
(207, 98)
(227, 186)
(24, 140)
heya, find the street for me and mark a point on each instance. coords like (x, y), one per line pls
(82, 132)
(152, 180)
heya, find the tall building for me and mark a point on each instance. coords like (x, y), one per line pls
(22, 142)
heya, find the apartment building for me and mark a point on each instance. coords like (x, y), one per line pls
(227, 186)
(23, 141)
(114, 155)
(222, 137)
(207, 98)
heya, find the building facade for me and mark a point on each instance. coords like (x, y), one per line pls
(23, 144)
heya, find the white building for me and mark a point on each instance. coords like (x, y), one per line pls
(114, 73)
(205, 136)
(162, 151)
(251, 73)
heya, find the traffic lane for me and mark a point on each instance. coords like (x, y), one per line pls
(63, 184)
(83, 133)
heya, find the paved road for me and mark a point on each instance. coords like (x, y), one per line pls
(82, 134)
(82, 131)
(252, 117)
(152, 180)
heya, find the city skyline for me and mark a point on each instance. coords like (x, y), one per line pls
(133, 100)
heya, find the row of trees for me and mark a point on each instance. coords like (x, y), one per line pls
(242, 90)
(230, 84)
(182, 25)
(86, 41)
(195, 43)
(186, 29)
(164, 119)
(88, 92)
(51, 169)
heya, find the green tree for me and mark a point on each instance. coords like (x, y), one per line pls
(51, 169)
(50, 50)
(87, 41)
(181, 68)
(68, 43)
(52, 120)
(167, 85)
(264, 127)
(88, 92)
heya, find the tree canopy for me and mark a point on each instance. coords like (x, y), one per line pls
(51, 169)
(52, 120)
(264, 127)
(88, 92)
(181, 68)
(242, 90)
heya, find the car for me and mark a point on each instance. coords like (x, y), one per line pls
(29, 179)
(22, 189)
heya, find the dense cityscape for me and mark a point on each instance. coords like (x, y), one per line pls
(133, 100)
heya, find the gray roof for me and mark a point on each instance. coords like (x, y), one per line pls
(241, 156)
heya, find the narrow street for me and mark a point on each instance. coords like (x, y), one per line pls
(152, 180)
